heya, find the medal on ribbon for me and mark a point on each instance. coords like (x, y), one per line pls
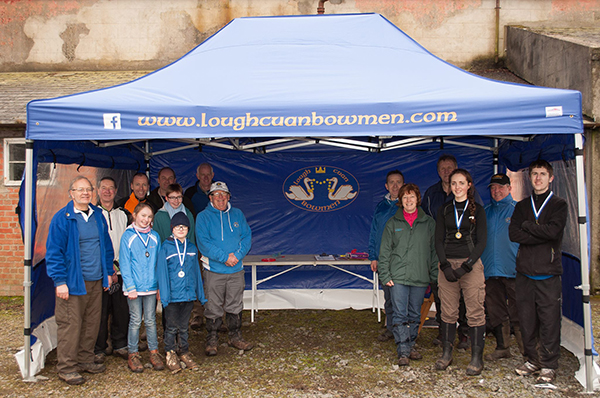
(458, 220)
(181, 257)
(536, 212)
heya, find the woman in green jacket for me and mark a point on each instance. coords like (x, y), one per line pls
(407, 264)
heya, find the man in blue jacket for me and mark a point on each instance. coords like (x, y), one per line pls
(224, 238)
(499, 266)
(383, 212)
(79, 259)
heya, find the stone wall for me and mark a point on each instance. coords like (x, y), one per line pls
(140, 34)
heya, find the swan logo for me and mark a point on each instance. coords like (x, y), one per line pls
(320, 188)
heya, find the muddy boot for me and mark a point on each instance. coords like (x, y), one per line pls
(234, 325)
(519, 338)
(477, 345)
(212, 338)
(189, 361)
(448, 332)
(156, 360)
(502, 334)
(173, 362)
(135, 362)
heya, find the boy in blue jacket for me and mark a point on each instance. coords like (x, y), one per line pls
(180, 284)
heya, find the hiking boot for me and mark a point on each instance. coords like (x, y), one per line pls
(189, 362)
(546, 376)
(99, 357)
(239, 343)
(403, 361)
(156, 360)
(415, 355)
(121, 352)
(385, 335)
(92, 367)
(527, 369)
(197, 322)
(73, 379)
(135, 362)
(173, 362)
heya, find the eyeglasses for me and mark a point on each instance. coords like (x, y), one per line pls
(180, 227)
(80, 190)
(175, 197)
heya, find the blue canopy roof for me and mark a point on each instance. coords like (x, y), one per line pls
(324, 75)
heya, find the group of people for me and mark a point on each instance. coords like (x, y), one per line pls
(486, 259)
(112, 262)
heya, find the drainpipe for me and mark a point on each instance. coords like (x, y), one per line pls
(321, 7)
(497, 30)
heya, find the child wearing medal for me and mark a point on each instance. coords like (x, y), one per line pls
(460, 238)
(180, 284)
(137, 255)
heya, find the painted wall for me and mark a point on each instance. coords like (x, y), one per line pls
(141, 34)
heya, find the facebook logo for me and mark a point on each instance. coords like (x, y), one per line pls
(112, 121)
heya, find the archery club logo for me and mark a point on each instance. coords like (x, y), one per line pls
(321, 188)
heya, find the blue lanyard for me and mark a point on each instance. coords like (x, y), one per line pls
(536, 213)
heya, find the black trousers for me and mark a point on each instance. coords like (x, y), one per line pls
(500, 301)
(540, 314)
(116, 305)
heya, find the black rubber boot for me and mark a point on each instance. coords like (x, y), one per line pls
(477, 345)
(212, 338)
(502, 335)
(448, 332)
(234, 326)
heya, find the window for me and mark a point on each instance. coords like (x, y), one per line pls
(14, 163)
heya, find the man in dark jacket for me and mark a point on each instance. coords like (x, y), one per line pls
(537, 224)
(198, 193)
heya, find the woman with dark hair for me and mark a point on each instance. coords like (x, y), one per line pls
(408, 264)
(460, 238)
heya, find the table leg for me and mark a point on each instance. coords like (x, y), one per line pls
(253, 293)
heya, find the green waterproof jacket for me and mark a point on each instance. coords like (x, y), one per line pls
(407, 255)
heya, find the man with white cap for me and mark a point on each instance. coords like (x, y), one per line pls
(224, 238)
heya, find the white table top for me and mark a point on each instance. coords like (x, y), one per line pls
(300, 259)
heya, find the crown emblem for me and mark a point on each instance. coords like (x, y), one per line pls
(320, 170)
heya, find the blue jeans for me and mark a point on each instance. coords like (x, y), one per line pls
(177, 316)
(407, 301)
(147, 305)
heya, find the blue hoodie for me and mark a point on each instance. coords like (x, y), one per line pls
(500, 254)
(173, 288)
(219, 233)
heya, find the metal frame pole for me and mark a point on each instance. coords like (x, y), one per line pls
(585, 276)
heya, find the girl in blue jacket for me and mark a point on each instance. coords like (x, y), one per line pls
(180, 284)
(137, 255)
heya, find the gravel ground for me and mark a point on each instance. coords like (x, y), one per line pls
(298, 353)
